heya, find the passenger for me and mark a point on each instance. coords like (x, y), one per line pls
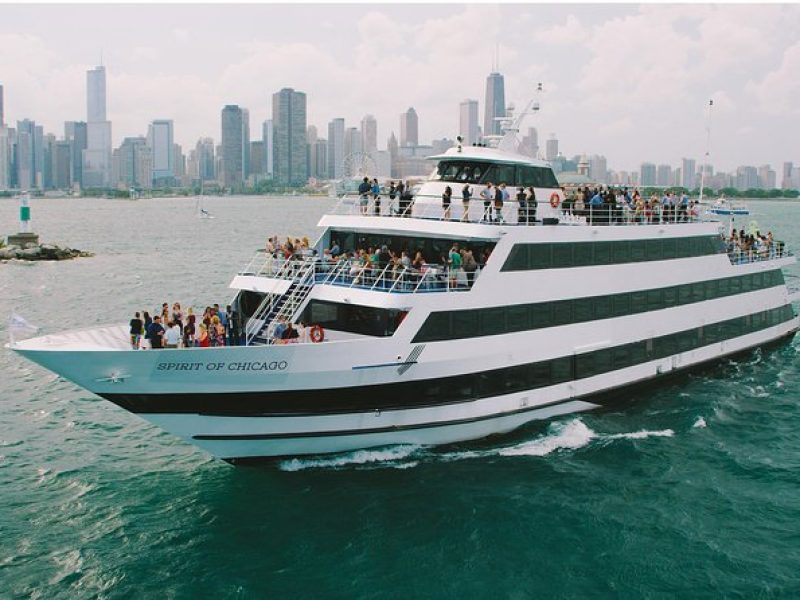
(400, 191)
(392, 196)
(277, 334)
(487, 195)
(189, 332)
(165, 312)
(172, 336)
(579, 208)
(454, 264)
(202, 338)
(214, 333)
(522, 206)
(156, 333)
(466, 196)
(137, 326)
(683, 210)
(376, 196)
(177, 315)
(446, 198)
(363, 192)
(470, 265)
(406, 200)
(290, 334)
(500, 196)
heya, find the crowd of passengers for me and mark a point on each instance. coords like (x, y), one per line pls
(361, 266)
(177, 328)
(743, 247)
(598, 204)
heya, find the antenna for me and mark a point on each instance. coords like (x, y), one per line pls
(708, 146)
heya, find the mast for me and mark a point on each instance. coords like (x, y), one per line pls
(708, 145)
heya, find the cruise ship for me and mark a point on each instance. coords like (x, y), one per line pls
(564, 310)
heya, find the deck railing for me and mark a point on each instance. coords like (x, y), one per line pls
(350, 272)
(759, 253)
(478, 210)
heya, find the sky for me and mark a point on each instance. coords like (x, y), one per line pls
(631, 82)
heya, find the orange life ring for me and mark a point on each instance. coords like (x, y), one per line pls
(317, 334)
(555, 199)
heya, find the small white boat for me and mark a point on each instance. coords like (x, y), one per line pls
(723, 206)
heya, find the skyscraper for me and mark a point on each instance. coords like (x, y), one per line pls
(468, 122)
(598, 168)
(5, 158)
(647, 174)
(245, 144)
(352, 141)
(688, 171)
(786, 181)
(232, 148)
(409, 128)
(97, 156)
(75, 133)
(29, 156)
(530, 143)
(336, 148)
(664, 175)
(495, 105)
(551, 148)
(289, 144)
(266, 136)
(160, 136)
(369, 136)
(204, 151)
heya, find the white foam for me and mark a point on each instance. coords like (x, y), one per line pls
(571, 435)
(389, 455)
(639, 435)
(700, 423)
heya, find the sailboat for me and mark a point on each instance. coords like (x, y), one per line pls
(198, 208)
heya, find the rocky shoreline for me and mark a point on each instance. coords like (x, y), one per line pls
(33, 252)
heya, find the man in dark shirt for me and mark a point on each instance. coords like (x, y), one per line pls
(137, 325)
(156, 333)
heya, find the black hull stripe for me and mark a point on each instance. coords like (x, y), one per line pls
(456, 389)
(600, 398)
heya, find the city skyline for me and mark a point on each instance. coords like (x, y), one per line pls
(631, 106)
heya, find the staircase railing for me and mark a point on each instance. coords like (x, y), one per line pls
(291, 270)
(302, 287)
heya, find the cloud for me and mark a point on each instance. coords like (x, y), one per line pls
(570, 33)
(778, 92)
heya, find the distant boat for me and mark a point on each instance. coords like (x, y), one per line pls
(723, 206)
(198, 208)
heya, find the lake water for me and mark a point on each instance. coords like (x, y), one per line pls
(691, 489)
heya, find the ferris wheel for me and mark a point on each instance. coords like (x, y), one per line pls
(359, 164)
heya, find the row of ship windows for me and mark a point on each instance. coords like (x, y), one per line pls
(557, 255)
(541, 374)
(452, 325)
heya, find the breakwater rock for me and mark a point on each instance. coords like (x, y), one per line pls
(40, 252)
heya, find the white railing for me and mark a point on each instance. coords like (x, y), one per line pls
(478, 210)
(739, 255)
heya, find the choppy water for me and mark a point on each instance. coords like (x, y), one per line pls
(693, 489)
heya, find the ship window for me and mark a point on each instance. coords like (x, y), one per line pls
(602, 253)
(517, 318)
(465, 323)
(621, 252)
(670, 296)
(638, 352)
(582, 310)
(518, 258)
(515, 379)
(562, 312)
(561, 369)
(500, 174)
(540, 256)
(725, 286)
(654, 301)
(622, 356)
(541, 315)
(736, 285)
(539, 374)
(698, 292)
(562, 255)
(639, 301)
(669, 248)
(637, 251)
(622, 304)
(352, 318)
(654, 250)
(586, 365)
(493, 321)
(747, 284)
(581, 255)
(603, 308)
